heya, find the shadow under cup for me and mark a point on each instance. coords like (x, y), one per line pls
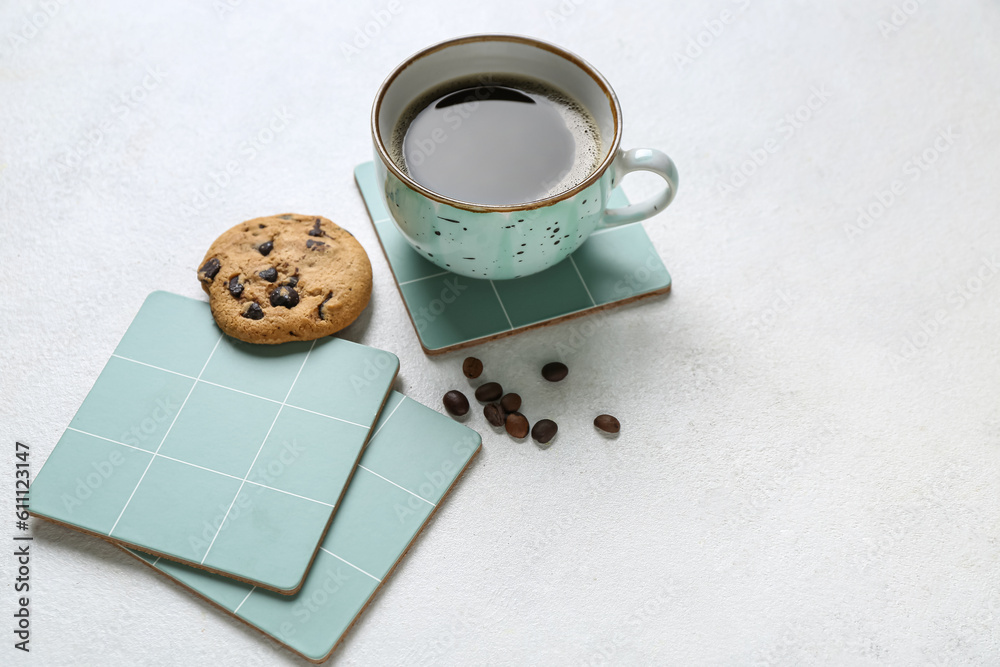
(493, 241)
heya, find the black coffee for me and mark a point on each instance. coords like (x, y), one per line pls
(496, 139)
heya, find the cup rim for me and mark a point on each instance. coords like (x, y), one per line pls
(499, 37)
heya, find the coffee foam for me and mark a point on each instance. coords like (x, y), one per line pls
(579, 121)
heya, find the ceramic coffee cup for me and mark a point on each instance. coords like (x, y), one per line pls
(503, 242)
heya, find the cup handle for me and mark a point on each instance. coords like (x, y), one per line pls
(642, 159)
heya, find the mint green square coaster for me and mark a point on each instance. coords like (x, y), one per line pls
(449, 312)
(216, 454)
(412, 462)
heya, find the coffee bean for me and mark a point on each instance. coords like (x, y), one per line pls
(544, 430)
(285, 296)
(494, 414)
(269, 274)
(209, 270)
(511, 402)
(456, 403)
(554, 371)
(472, 367)
(265, 248)
(253, 311)
(235, 287)
(607, 423)
(489, 392)
(517, 425)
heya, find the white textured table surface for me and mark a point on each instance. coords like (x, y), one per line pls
(810, 460)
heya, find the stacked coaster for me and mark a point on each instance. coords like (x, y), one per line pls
(254, 474)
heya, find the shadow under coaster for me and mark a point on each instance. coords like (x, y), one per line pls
(411, 464)
(613, 267)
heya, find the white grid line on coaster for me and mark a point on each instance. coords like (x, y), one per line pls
(582, 281)
(502, 307)
(163, 439)
(397, 485)
(259, 449)
(238, 391)
(417, 280)
(195, 465)
(250, 481)
(387, 418)
(325, 550)
(247, 597)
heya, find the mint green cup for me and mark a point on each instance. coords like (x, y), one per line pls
(504, 242)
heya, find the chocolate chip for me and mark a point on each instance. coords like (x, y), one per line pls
(511, 402)
(517, 425)
(489, 392)
(320, 309)
(456, 403)
(607, 423)
(316, 230)
(209, 270)
(293, 281)
(265, 248)
(554, 371)
(472, 367)
(312, 245)
(285, 296)
(544, 430)
(235, 287)
(494, 414)
(253, 311)
(269, 274)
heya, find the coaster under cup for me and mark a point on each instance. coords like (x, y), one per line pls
(613, 267)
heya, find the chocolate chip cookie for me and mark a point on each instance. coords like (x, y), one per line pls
(285, 277)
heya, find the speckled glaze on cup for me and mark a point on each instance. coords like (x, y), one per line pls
(503, 242)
